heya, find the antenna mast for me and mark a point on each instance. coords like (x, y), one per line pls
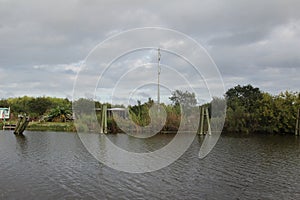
(158, 74)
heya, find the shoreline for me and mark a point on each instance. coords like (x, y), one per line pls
(47, 126)
(51, 126)
(70, 127)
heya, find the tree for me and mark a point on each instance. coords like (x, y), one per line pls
(250, 110)
(59, 114)
(4, 103)
(243, 108)
(286, 105)
(185, 99)
(246, 96)
(83, 106)
(20, 104)
(219, 107)
(140, 113)
(267, 114)
(39, 105)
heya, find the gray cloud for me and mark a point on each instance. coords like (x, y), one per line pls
(253, 42)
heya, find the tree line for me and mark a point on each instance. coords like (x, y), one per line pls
(39, 108)
(249, 110)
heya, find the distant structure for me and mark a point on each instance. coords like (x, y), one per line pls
(4, 113)
(105, 113)
(122, 112)
(19, 128)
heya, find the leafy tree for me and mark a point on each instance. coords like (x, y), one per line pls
(20, 104)
(83, 106)
(39, 105)
(173, 118)
(59, 114)
(267, 114)
(235, 121)
(140, 112)
(4, 103)
(219, 105)
(60, 102)
(186, 98)
(242, 107)
(285, 108)
(246, 96)
(250, 110)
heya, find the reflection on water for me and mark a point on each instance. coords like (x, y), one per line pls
(56, 166)
(22, 143)
(148, 160)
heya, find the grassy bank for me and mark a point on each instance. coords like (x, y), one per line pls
(51, 126)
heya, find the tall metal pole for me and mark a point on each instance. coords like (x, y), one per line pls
(297, 129)
(158, 74)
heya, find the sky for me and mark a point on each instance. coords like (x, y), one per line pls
(45, 44)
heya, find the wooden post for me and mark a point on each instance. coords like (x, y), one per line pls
(208, 121)
(102, 120)
(18, 124)
(105, 118)
(24, 125)
(101, 128)
(23, 121)
(204, 115)
(201, 120)
(297, 129)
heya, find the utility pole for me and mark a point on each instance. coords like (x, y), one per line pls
(297, 129)
(158, 74)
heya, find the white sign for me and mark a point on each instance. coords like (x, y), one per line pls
(4, 113)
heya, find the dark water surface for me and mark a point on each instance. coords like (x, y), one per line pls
(49, 165)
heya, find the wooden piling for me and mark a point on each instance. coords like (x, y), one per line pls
(208, 121)
(22, 123)
(201, 124)
(204, 116)
(103, 120)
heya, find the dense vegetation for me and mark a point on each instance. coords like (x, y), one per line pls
(249, 110)
(38, 108)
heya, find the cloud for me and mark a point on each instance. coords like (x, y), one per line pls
(42, 43)
(72, 68)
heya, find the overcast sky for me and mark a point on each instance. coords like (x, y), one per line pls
(43, 43)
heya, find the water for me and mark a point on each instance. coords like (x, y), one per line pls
(49, 165)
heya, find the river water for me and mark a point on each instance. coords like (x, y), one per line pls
(55, 165)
